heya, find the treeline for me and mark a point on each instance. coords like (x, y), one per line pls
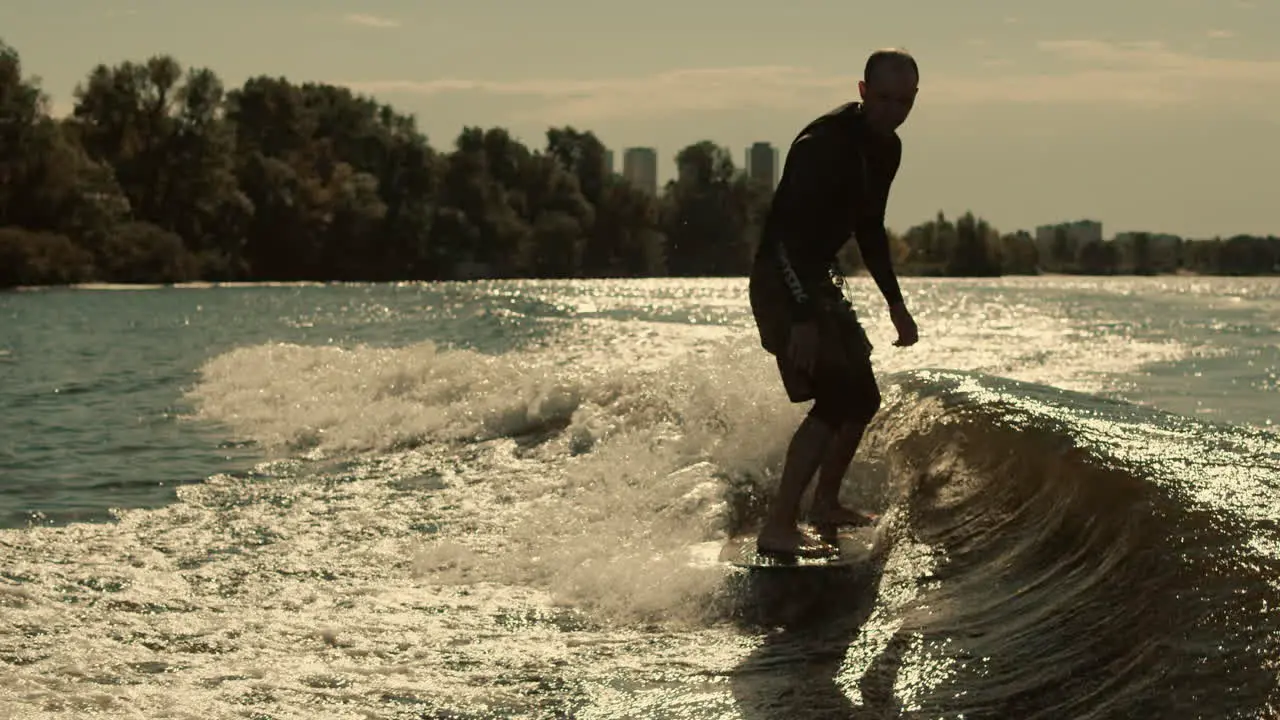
(162, 175)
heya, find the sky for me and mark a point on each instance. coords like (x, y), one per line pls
(1156, 115)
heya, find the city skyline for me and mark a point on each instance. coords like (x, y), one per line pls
(640, 166)
(1149, 114)
(1079, 230)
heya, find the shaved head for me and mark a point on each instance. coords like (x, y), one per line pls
(888, 88)
(889, 59)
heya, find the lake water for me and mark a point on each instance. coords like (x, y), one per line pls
(505, 499)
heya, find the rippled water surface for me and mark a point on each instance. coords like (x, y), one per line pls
(506, 499)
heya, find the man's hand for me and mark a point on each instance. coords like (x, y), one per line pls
(908, 334)
(802, 347)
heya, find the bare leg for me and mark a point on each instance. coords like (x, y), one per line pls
(809, 445)
(826, 496)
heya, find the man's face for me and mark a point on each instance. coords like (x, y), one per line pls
(888, 95)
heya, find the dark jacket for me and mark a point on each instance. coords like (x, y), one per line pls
(835, 183)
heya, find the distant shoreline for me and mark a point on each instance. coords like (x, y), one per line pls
(202, 285)
(298, 180)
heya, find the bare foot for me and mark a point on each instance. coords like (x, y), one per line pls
(792, 542)
(837, 516)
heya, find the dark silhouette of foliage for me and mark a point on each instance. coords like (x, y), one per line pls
(160, 174)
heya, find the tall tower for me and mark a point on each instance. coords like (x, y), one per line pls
(762, 164)
(640, 168)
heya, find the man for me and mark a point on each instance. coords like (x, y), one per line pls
(835, 183)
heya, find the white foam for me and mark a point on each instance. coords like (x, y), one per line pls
(653, 427)
(297, 588)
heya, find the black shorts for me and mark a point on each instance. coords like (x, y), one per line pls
(843, 383)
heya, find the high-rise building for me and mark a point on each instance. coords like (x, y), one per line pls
(608, 163)
(762, 164)
(640, 168)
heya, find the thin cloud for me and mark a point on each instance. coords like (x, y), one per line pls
(1135, 73)
(1221, 34)
(372, 21)
(651, 95)
(1141, 73)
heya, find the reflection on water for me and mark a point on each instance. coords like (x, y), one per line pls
(480, 501)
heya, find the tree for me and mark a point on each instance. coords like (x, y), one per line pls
(932, 244)
(48, 184)
(23, 131)
(1019, 254)
(627, 237)
(480, 224)
(162, 175)
(976, 250)
(41, 258)
(711, 214)
(583, 155)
